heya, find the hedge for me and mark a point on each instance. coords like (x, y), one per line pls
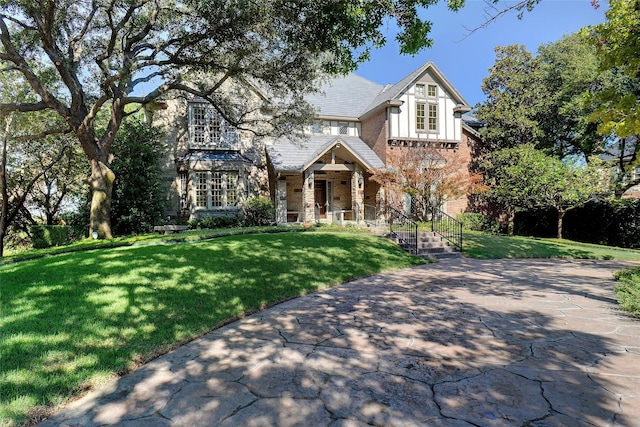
(604, 222)
(45, 236)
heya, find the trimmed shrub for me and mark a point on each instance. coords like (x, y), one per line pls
(45, 236)
(472, 221)
(215, 222)
(258, 211)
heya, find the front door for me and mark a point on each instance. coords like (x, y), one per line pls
(321, 197)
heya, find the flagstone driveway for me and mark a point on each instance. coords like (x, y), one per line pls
(459, 343)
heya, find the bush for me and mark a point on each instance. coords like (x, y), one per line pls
(258, 211)
(45, 236)
(215, 222)
(472, 221)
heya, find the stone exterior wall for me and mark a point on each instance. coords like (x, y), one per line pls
(172, 118)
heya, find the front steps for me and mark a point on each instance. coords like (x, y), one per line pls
(430, 245)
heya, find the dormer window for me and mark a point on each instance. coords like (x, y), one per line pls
(208, 130)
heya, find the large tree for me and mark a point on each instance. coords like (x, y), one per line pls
(617, 43)
(103, 51)
(515, 100)
(28, 156)
(570, 69)
(543, 99)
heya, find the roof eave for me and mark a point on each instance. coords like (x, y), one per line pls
(386, 104)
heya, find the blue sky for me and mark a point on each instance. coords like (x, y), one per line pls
(466, 58)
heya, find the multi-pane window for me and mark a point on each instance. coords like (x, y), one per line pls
(318, 128)
(209, 130)
(432, 91)
(426, 116)
(419, 90)
(217, 189)
(201, 189)
(343, 128)
(420, 116)
(433, 117)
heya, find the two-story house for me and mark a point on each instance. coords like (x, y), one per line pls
(211, 167)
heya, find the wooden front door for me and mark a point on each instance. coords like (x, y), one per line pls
(321, 197)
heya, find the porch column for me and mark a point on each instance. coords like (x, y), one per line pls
(308, 197)
(281, 201)
(357, 193)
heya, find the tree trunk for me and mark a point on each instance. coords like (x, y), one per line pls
(4, 194)
(511, 221)
(101, 182)
(560, 217)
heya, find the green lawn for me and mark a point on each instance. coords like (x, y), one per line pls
(628, 292)
(72, 321)
(491, 246)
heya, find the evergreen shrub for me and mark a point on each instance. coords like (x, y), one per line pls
(258, 211)
(472, 221)
(45, 236)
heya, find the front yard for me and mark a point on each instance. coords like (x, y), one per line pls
(73, 321)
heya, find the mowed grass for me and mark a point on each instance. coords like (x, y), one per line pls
(73, 321)
(490, 246)
(628, 292)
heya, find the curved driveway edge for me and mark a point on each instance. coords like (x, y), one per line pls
(462, 342)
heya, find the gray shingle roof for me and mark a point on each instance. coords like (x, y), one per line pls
(286, 155)
(347, 96)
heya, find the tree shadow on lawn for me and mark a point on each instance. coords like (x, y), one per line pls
(73, 319)
(458, 343)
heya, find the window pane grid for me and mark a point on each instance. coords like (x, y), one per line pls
(217, 190)
(201, 189)
(433, 117)
(420, 116)
(432, 91)
(232, 188)
(210, 130)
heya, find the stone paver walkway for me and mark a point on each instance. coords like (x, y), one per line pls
(459, 343)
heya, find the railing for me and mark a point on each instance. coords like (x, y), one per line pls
(370, 214)
(404, 230)
(449, 228)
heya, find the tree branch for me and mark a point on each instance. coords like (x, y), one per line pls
(24, 107)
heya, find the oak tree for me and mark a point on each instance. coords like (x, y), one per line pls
(109, 54)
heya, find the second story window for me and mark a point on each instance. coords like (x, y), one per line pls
(420, 116)
(419, 90)
(209, 131)
(433, 117)
(432, 91)
(426, 117)
(343, 128)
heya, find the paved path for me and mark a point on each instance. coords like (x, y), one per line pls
(459, 343)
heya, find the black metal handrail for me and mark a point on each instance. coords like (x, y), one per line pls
(449, 228)
(403, 229)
